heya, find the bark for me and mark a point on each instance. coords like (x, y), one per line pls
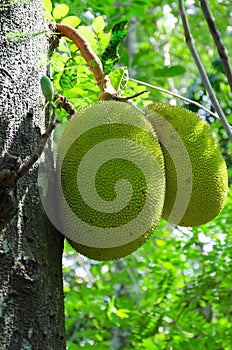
(31, 290)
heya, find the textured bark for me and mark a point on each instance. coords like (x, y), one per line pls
(31, 290)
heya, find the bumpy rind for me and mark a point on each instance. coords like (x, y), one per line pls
(110, 224)
(197, 160)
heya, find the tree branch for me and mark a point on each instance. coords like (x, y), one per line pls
(35, 156)
(63, 102)
(220, 47)
(202, 71)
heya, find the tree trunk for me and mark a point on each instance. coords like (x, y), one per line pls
(31, 290)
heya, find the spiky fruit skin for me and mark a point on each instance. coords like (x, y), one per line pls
(196, 173)
(104, 254)
(112, 179)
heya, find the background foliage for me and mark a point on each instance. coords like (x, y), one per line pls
(174, 292)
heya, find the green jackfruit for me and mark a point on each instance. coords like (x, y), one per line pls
(196, 174)
(112, 180)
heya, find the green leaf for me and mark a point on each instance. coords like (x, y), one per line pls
(122, 313)
(119, 78)
(104, 39)
(98, 24)
(73, 21)
(169, 71)
(90, 37)
(48, 15)
(60, 11)
(47, 5)
(68, 78)
(217, 64)
(110, 55)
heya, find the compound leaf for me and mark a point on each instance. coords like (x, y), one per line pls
(110, 55)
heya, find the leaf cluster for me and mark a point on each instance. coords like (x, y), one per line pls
(175, 291)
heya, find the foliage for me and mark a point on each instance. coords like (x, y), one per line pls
(175, 291)
(110, 55)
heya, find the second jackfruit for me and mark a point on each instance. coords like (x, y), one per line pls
(196, 174)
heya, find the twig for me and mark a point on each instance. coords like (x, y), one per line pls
(63, 102)
(202, 71)
(127, 98)
(176, 95)
(35, 156)
(217, 39)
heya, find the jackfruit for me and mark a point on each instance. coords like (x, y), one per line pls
(111, 180)
(196, 173)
